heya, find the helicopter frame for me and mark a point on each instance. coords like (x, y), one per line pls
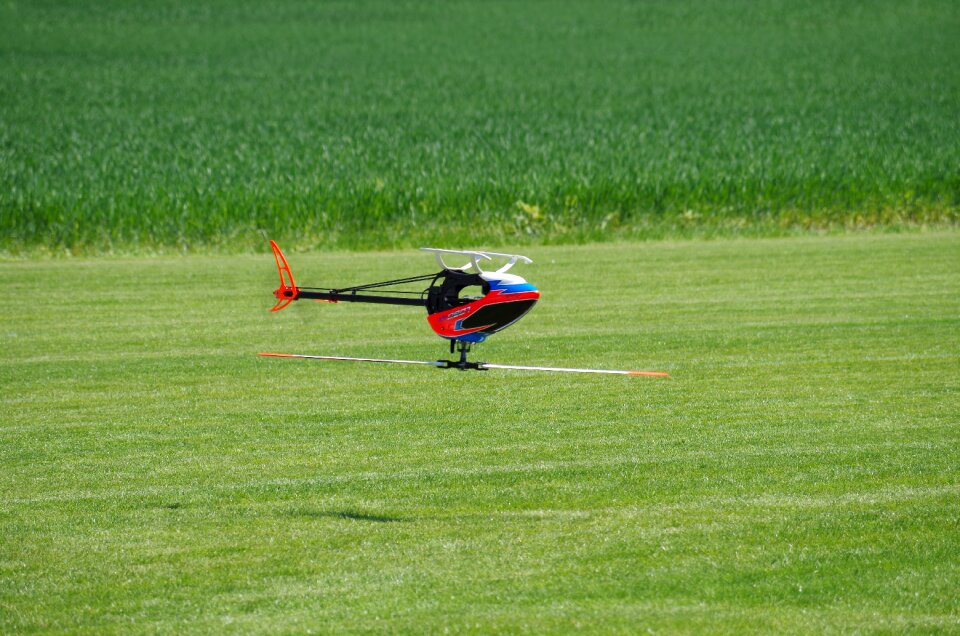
(461, 319)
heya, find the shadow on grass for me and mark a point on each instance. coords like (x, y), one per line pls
(346, 514)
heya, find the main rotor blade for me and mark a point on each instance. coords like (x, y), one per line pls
(432, 363)
(482, 365)
(570, 370)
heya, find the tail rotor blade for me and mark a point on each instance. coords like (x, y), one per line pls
(517, 367)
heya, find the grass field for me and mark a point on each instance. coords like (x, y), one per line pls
(800, 470)
(133, 127)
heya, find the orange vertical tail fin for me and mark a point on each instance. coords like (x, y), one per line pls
(287, 292)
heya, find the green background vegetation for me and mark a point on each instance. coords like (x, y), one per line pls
(140, 126)
(799, 472)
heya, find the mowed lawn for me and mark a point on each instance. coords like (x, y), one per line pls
(799, 470)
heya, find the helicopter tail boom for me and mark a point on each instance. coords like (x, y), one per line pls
(288, 291)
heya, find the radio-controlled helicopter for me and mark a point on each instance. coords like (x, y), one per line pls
(465, 305)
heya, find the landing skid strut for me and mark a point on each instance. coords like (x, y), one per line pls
(463, 347)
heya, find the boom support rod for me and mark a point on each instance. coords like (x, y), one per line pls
(335, 297)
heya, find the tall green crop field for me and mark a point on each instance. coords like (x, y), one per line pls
(137, 126)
